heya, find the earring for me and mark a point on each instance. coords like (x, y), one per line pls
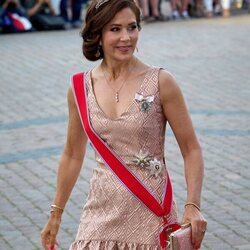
(97, 54)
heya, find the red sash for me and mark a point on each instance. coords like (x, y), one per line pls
(118, 166)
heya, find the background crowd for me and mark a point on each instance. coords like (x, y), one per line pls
(33, 15)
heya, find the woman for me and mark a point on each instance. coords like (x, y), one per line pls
(130, 118)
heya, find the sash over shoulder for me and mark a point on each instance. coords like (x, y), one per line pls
(119, 168)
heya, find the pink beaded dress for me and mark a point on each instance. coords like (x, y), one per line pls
(113, 218)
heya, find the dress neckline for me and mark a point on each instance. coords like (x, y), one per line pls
(131, 103)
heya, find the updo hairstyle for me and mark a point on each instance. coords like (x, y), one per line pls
(96, 18)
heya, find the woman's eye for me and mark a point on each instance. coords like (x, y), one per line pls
(115, 29)
(132, 27)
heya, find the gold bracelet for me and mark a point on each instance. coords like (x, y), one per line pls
(55, 207)
(192, 204)
(56, 210)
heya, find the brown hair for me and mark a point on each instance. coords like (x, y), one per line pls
(96, 19)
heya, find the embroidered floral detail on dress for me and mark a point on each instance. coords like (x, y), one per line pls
(145, 101)
(143, 160)
(155, 167)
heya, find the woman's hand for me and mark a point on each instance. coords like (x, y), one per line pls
(50, 230)
(198, 223)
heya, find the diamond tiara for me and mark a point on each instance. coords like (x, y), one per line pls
(100, 3)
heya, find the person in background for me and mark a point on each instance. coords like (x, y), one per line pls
(75, 7)
(12, 17)
(34, 7)
(11, 5)
(150, 10)
(42, 14)
(200, 10)
(226, 5)
(217, 7)
(208, 4)
(180, 9)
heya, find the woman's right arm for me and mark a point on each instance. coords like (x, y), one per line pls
(68, 171)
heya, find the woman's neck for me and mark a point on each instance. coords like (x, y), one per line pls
(116, 70)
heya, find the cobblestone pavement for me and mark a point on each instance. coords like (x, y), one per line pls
(210, 59)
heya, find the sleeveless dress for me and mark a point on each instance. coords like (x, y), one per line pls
(112, 217)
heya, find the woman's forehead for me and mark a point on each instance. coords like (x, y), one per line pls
(124, 15)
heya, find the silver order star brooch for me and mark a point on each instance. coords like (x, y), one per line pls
(142, 159)
(155, 167)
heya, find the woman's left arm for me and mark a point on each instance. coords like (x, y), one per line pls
(179, 120)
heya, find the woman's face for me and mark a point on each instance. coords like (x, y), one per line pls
(119, 36)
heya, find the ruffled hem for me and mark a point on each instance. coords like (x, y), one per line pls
(110, 245)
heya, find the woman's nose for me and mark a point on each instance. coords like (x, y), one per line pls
(125, 35)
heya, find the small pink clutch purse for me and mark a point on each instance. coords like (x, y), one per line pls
(181, 238)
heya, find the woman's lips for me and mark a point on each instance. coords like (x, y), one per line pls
(124, 48)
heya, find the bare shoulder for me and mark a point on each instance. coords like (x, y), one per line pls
(168, 86)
